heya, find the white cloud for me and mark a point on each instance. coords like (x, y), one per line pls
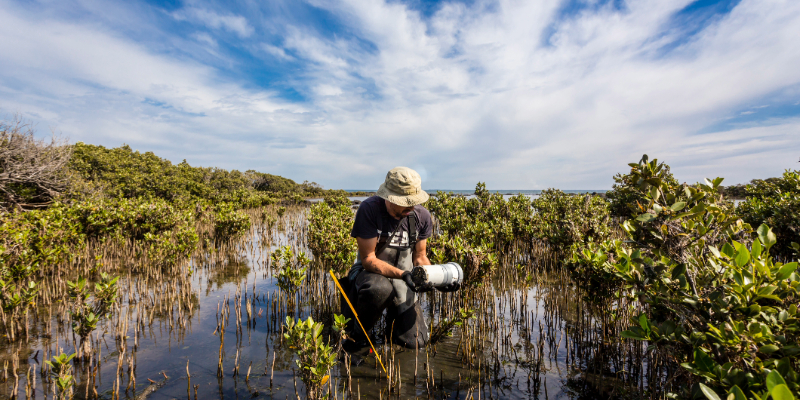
(233, 23)
(203, 37)
(472, 93)
(276, 52)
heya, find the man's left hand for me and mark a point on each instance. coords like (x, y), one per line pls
(454, 287)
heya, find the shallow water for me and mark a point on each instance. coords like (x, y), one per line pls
(519, 329)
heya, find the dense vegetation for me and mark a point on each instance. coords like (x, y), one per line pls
(776, 202)
(714, 300)
(58, 198)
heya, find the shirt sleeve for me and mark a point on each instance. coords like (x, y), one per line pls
(365, 225)
(425, 224)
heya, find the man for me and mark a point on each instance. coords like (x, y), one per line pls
(391, 230)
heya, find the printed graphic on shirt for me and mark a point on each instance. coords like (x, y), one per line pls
(399, 240)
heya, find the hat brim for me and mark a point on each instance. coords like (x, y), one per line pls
(403, 200)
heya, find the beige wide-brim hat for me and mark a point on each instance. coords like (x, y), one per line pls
(403, 186)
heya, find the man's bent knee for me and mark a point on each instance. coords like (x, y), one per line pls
(374, 288)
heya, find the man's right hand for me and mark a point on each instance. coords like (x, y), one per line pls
(406, 277)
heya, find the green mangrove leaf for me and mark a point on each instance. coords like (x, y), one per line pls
(644, 323)
(774, 379)
(766, 236)
(678, 206)
(766, 290)
(737, 393)
(632, 335)
(703, 362)
(698, 209)
(768, 349)
(710, 393)
(728, 250)
(742, 257)
(646, 217)
(786, 271)
(756, 249)
(781, 392)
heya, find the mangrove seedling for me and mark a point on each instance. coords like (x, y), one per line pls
(292, 269)
(61, 371)
(314, 357)
(89, 307)
(340, 327)
(446, 325)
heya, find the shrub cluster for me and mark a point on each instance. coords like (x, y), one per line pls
(776, 202)
(716, 302)
(56, 198)
(124, 173)
(476, 232)
(563, 220)
(330, 222)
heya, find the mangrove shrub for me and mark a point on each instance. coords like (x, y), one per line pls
(716, 302)
(329, 233)
(776, 202)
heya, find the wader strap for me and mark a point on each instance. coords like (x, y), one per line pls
(412, 229)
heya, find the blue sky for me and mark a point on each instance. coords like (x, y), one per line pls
(519, 94)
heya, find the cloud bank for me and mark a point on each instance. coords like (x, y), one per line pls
(519, 94)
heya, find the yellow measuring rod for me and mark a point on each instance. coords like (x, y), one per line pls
(336, 281)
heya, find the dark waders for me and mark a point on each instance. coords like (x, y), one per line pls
(372, 293)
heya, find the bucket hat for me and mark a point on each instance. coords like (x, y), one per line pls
(403, 186)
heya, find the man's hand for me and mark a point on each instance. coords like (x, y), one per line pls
(406, 277)
(453, 287)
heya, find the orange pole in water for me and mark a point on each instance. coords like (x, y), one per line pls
(336, 281)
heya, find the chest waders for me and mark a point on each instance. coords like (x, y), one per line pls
(373, 292)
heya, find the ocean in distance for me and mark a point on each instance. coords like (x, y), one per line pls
(471, 193)
(505, 192)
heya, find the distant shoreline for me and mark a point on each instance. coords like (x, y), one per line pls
(508, 192)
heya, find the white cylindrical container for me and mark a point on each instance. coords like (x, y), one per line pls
(439, 275)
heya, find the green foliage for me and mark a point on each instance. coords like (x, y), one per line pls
(592, 268)
(30, 243)
(61, 371)
(314, 357)
(445, 326)
(744, 327)
(563, 220)
(136, 219)
(167, 231)
(725, 310)
(340, 327)
(329, 239)
(627, 196)
(775, 202)
(678, 221)
(292, 268)
(89, 305)
(124, 173)
(475, 232)
(229, 223)
(734, 192)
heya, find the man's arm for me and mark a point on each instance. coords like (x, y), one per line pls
(420, 253)
(366, 251)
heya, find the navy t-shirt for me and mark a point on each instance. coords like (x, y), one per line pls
(373, 220)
